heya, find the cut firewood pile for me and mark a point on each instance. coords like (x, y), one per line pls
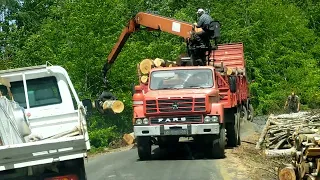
(297, 136)
(278, 131)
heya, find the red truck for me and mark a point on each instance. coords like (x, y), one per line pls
(205, 97)
(202, 102)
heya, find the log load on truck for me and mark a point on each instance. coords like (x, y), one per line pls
(203, 95)
(43, 129)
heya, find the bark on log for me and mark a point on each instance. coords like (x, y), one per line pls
(279, 152)
(129, 138)
(145, 66)
(115, 105)
(287, 173)
(280, 143)
(310, 177)
(263, 134)
(171, 64)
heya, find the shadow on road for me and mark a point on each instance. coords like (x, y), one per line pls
(180, 151)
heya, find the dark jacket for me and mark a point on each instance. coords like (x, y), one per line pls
(205, 22)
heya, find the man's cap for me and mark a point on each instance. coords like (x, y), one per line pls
(200, 11)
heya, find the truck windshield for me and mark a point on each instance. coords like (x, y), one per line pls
(181, 79)
(41, 92)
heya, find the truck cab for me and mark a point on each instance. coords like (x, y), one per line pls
(58, 142)
(179, 102)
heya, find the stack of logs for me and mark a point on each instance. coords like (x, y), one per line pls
(297, 136)
(228, 70)
(145, 66)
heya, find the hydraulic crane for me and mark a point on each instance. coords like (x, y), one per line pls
(198, 54)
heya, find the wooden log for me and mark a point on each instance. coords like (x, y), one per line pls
(280, 143)
(312, 152)
(263, 134)
(171, 64)
(129, 138)
(280, 152)
(145, 66)
(275, 131)
(287, 173)
(144, 79)
(311, 177)
(159, 62)
(232, 71)
(115, 105)
(75, 130)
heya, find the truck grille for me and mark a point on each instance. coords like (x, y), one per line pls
(179, 119)
(176, 105)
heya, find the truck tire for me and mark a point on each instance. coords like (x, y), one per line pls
(239, 129)
(233, 84)
(144, 147)
(215, 149)
(250, 113)
(244, 114)
(219, 144)
(233, 135)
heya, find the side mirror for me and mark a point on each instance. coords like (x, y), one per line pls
(87, 104)
(138, 88)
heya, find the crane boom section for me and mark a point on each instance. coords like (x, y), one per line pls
(153, 22)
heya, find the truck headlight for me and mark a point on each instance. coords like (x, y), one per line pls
(138, 121)
(214, 118)
(207, 119)
(145, 121)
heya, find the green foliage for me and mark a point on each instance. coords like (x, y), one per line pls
(103, 136)
(281, 39)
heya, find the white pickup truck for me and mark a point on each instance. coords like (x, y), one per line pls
(43, 131)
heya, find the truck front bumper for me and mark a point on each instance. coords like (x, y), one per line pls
(183, 129)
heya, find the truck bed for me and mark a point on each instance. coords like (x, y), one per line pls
(231, 55)
(41, 152)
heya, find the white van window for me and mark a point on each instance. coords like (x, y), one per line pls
(41, 92)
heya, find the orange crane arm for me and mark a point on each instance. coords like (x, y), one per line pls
(152, 22)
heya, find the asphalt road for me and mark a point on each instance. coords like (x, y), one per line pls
(173, 165)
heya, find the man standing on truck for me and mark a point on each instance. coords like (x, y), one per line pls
(206, 23)
(293, 103)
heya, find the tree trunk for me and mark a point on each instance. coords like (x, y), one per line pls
(116, 105)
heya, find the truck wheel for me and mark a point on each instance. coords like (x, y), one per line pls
(217, 146)
(233, 132)
(238, 133)
(144, 148)
(233, 84)
(250, 113)
(243, 114)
